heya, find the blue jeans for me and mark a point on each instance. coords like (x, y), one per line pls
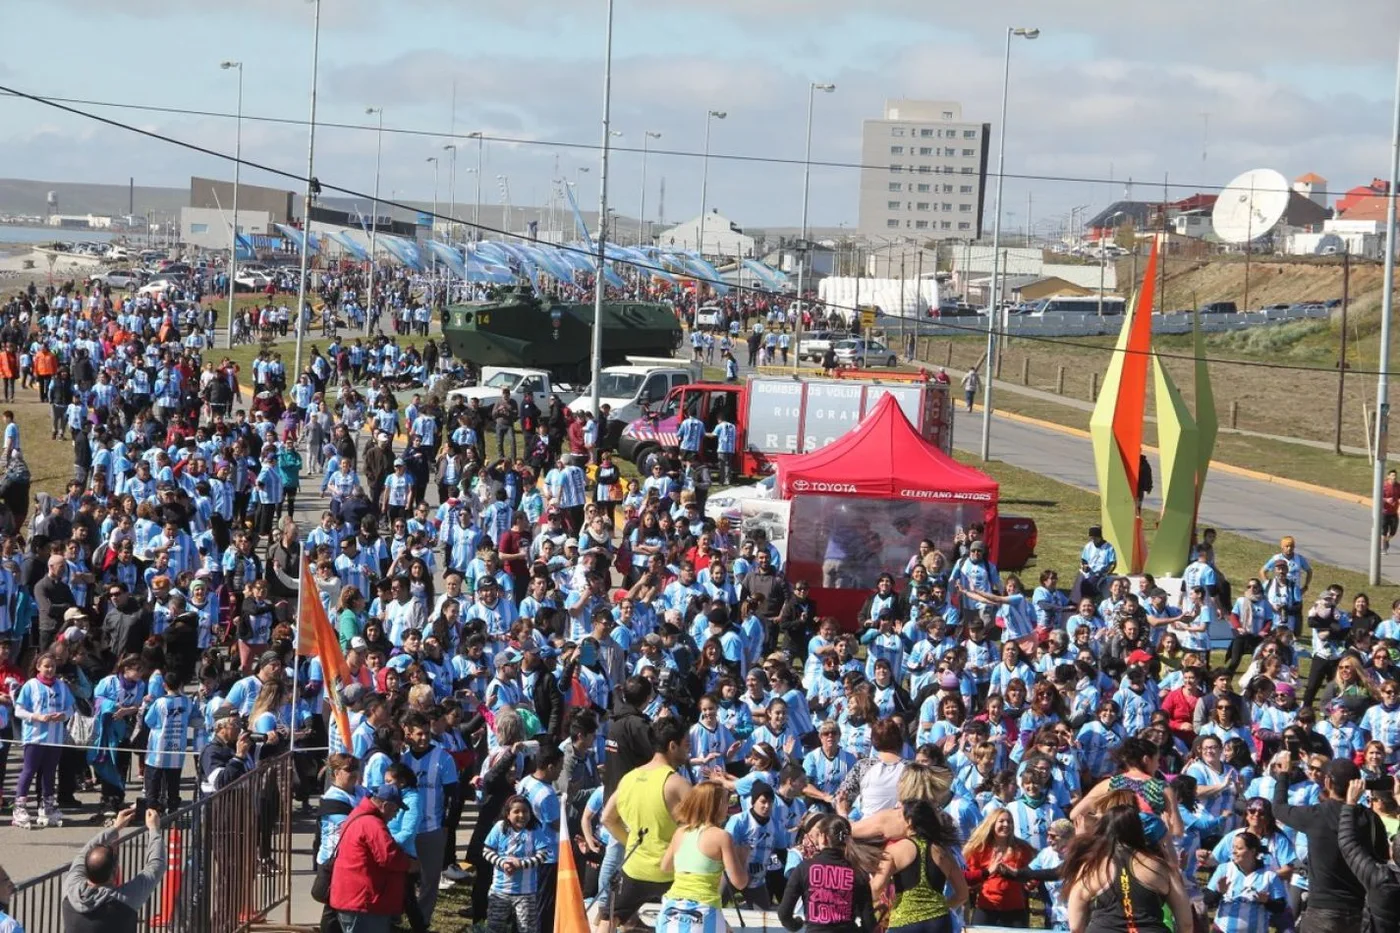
(612, 863)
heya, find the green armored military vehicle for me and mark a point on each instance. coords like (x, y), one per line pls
(522, 329)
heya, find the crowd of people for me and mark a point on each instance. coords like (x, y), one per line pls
(548, 638)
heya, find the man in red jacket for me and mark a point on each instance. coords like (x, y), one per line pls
(368, 882)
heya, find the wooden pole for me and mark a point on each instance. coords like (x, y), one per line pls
(1026, 370)
(1060, 380)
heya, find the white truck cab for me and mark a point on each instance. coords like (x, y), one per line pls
(518, 380)
(643, 382)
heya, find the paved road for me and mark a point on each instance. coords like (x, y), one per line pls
(1328, 530)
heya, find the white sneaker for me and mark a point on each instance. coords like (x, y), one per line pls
(21, 818)
(42, 820)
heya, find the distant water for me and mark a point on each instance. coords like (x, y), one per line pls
(11, 234)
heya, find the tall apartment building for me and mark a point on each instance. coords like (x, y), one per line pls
(924, 171)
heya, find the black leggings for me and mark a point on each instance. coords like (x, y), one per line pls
(1319, 672)
(1241, 645)
(1001, 918)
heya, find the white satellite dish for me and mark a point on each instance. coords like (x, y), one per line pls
(1251, 206)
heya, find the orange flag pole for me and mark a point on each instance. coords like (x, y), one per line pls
(569, 913)
(316, 638)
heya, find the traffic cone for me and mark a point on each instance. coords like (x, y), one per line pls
(174, 875)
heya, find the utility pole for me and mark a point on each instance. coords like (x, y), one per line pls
(1342, 356)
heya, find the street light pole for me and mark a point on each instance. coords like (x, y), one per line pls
(374, 214)
(452, 186)
(803, 247)
(302, 322)
(642, 211)
(1103, 258)
(476, 211)
(1387, 309)
(433, 224)
(237, 166)
(705, 187)
(597, 349)
(995, 297)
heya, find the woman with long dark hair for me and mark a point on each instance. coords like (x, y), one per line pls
(921, 865)
(1140, 762)
(1116, 880)
(832, 882)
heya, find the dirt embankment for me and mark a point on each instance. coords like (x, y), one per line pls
(1266, 280)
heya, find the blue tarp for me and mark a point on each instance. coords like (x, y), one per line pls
(293, 234)
(404, 251)
(350, 246)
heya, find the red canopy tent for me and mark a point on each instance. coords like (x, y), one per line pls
(861, 505)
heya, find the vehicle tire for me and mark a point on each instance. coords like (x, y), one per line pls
(892, 362)
(641, 452)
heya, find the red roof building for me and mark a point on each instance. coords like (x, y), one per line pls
(1355, 197)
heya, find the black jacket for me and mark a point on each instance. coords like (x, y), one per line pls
(843, 908)
(628, 745)
(1381, 880)
(1331, 884)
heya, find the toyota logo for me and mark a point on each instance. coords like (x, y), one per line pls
(800, 485)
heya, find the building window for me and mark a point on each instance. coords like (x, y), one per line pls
(925, 151)
(947, 207)
(922, 205)
(199, 228)
(969, 153)
(964, 225)
(967, 170)
(896, 131)
(921, 225)
(947, 225)
(923, 189)
(925, 133)
(896, 150)
(965, 208)
(962, 189)
(969, 134)
(924, 169)
(896, 186)
(893, 205)
(891, 223)
(895, 169)
(947, 114)
(947, 189)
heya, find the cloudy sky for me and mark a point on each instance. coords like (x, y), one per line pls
(1109, 90)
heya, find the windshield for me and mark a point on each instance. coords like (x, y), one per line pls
(617, 385)
(501, 380)
(848, 345)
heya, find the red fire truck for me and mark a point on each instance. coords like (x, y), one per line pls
(786, 415)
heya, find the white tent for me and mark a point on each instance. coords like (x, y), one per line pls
(908, 298)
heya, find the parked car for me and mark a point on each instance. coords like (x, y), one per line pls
(161, 285)
(1220, 307)
(813, 346)
(709, 317)
(250, 280)
(861, 352)
(116, 278)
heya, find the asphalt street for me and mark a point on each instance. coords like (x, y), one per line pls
(1328, 530)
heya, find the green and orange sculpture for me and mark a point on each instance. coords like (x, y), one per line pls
(1185, 438)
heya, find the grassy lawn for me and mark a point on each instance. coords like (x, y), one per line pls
(1063, 513)
(1269, 400)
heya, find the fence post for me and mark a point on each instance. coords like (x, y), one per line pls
(1060, 380)
(1000, 357)
(1026, 370)
(950, 354)
(1093, 387)
(1235, 414)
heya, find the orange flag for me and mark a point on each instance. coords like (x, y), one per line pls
(569, 913)
(316, 639)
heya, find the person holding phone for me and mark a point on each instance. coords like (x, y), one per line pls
(95, 896)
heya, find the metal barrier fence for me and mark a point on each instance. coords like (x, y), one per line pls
(228, 857)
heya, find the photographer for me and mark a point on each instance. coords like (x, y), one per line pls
(94, 897)
(629, 735)
(1335, 896)
(228, 756)
(1362, 840)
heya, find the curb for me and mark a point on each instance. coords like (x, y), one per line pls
(1215, 464)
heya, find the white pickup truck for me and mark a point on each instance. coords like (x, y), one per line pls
(517, 380)
(644, 381)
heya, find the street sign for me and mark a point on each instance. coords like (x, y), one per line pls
(867, 318)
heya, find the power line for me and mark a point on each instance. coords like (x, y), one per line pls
(976, 330)
(586, 147)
